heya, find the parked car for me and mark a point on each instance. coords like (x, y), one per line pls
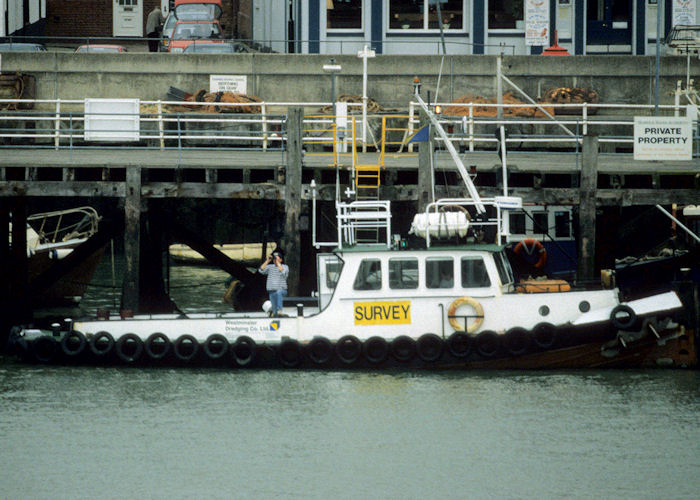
(167, 32)
(215, 47)
(198, 10)
(21, 47)
(100, 48)
(187, 31)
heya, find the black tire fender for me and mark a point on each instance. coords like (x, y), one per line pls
(429, 347)
(216, 346)
(348, 349)
(44, 349)
(545, 335)
(320, 350)
(403, 348)
(517, 340)
(375, 349)
(153, 340)
(73, 344)
(123, 342)
(182, 340)
(460, 344)
(243, 350)
(487, 343)
(290, 353)
(101, 344)
(628, 318)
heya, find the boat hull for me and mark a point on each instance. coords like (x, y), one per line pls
(601, 346)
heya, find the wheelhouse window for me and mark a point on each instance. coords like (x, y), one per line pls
(403, 274)
(474, 274)
(505, 273)
(344, 14)
(423, 14)
(504, 14)
(333, 273)
(369, 275)
(439, 272)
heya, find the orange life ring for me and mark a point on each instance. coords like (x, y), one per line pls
(478, 310)
(531, 247)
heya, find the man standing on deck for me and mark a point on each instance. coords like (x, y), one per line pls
(276, 285)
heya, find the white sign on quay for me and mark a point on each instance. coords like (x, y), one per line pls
(663, 138)
(228, 83)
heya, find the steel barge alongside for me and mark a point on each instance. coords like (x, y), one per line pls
(444, 299)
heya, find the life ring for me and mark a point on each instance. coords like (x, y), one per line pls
(403, 348)
(180, 350)
(73, 344)
(157, 346)
(320, 350)
(122, 350)
(375, 349)
(348, 349)
(243, 350)
(517, 340)
(544, 335)
(44, 349)
(215, 347)
(459, 344)
(530, 247)
(488, 343)
(429, 347)
(290, 353)
(628, 318)
(101, 344)
(478, 310)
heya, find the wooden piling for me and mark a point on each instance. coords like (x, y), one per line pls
(132, 234)
(587, 208)
(291, 241)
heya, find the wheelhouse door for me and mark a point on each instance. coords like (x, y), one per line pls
(609, 26)
(127, 17)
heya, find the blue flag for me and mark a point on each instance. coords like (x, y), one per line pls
(422, 135)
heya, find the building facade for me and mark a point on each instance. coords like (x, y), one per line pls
(516, 27)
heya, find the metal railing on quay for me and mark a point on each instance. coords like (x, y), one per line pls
(60, 124)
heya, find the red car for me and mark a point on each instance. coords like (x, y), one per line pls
(185, 32)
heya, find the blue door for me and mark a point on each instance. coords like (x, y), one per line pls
(609, 22)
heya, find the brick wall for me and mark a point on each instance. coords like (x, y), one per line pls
(94, 17)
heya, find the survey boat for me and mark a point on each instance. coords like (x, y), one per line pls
(443, 296)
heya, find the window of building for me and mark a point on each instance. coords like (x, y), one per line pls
(504, 14)
(344, 14)
(439, 272)
(423, 14)
(474, 273)
(517, 223)
(369, 275)
(562, 224)
(540, 222)
(403, 274)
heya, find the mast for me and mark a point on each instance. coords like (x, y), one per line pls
(455, 156)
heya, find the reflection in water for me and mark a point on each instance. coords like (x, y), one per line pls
(182, 433)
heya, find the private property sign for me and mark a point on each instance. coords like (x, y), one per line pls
(663, 138)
